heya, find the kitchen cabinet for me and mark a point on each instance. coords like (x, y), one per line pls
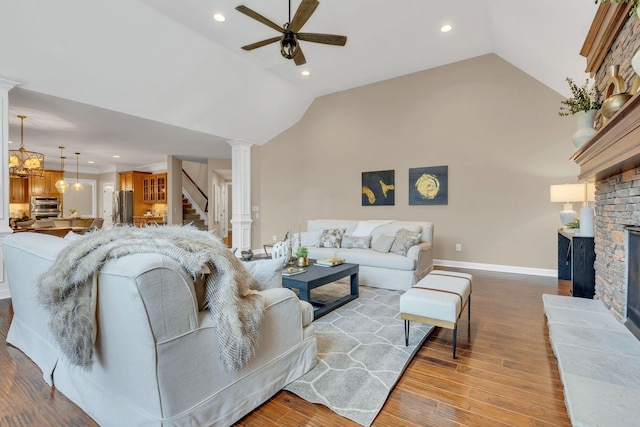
(154, 188)
(134, 180)
(19, 190)
(45, 186)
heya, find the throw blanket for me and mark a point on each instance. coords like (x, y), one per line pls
(66, 292)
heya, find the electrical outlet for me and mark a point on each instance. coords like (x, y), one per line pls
(458, 247)
(274, 238)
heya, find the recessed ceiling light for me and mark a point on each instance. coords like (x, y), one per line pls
(219, 17)
(90, 162)
(115, 156)
(306, 73)
(10, 142)
(445, 28)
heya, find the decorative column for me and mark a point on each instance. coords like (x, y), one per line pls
(5, 87)
(241, 194)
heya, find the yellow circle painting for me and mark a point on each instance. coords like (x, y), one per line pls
(428, 186)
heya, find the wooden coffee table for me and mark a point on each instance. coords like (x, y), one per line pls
(315, 277)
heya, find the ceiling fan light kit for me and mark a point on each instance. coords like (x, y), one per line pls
(289, 45)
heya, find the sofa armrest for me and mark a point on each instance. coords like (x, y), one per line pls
(422, 253)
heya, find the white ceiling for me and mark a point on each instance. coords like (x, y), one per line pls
(147, 78)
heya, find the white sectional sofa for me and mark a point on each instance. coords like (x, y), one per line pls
(382, 269)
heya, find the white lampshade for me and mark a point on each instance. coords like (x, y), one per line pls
(567, 193)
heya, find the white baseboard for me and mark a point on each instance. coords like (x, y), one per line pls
(496, 267)
(5, 293)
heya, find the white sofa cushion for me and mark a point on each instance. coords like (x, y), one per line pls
(377, 259)
(365, 228)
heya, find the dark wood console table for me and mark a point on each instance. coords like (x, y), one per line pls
(576, 258)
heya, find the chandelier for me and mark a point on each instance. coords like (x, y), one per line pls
(77, 186)
(23, 163)
(62, 185)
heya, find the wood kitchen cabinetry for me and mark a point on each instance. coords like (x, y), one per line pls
(19, 190)
(134, 180)
(45, 186)
(154, 188)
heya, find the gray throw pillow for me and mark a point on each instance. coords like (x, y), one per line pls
(332, 238)
(349, 242)
(383, 243)
(404, 240)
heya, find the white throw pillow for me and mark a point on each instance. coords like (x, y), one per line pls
(364, 228)
(267, 272)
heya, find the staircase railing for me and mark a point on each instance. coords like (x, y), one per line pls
(194, 193)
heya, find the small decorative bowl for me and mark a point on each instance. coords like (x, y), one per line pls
(246, 256)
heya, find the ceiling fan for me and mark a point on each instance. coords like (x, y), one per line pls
(289, 46)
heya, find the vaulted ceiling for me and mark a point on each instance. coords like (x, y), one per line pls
(147, 78)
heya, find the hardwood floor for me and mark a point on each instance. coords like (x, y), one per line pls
(505, 373)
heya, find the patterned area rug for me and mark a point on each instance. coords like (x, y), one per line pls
(361, 354)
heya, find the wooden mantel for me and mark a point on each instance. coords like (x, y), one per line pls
(615, 147)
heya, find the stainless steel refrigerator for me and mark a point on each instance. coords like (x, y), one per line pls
(123, 207)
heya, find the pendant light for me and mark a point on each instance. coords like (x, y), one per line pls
(23, 163)
(77, 186)
(61, 185)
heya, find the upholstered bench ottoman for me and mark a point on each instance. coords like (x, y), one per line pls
(438, 299)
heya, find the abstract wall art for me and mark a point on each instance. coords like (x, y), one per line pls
(429, 185)
(378, 188)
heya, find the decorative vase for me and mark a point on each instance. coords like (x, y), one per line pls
(615, 93)
(303, 261)
(585, 127)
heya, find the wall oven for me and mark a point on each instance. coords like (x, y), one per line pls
(45, 207)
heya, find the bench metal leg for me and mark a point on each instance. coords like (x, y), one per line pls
(455, 336)
(406, 333)
(469, 307)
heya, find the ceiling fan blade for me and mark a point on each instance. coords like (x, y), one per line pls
(261, 43)
(299, 59)
(323, 38)
(255, 15)
(306, 8)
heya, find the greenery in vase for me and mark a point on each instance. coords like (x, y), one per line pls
(584, 98)
(302, 252)
(634, 5)
(574, 224)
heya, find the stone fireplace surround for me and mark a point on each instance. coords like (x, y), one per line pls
(612, 159)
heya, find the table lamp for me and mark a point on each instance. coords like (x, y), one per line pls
(567, 194)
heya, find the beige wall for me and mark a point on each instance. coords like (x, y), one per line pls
(496, 128)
